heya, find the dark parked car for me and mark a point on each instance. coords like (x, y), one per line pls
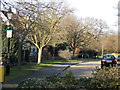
(108, 60)
(83, 55)
(118, 60)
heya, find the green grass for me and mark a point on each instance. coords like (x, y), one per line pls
(25, 70)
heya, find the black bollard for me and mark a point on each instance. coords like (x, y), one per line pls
(7, 69)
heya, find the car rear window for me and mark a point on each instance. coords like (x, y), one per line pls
(108, 57)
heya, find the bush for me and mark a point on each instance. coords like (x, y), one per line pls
(106, 78)
(69, 78)
(102, 78)
(68, 82)
(66, 54)
(85, 82)
(38, 83)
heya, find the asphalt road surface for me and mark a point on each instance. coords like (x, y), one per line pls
(84, 69)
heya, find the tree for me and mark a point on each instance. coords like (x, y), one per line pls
(22, 24)
(111, 43)
(48, 16)
(79, 33)
(72, 29)
(96, 27)
(107, 43)
(101, 31)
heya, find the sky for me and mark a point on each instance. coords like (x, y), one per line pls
(100, 9)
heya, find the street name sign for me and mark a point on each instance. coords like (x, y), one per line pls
(9, 33)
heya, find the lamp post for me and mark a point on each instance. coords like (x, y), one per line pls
(9, 35)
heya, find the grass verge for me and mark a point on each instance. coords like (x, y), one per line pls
(25, 70)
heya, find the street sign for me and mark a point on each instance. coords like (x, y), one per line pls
(9, 33)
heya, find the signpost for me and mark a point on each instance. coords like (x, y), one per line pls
(8, 14)
(9, 33)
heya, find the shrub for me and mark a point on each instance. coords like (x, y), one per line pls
(69, 78)
(106, 78)
(66, 54)
(50, 82)
(85, 82)
(102, 78)
(33, 83)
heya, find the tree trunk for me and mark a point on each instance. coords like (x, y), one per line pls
(39, 55)
(77, 50)
(19, 55)
(73, 52)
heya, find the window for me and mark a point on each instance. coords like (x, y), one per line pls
(109, 57)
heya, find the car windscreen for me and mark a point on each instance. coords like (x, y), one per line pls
(109, 57)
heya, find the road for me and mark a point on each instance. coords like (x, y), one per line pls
(84, 69)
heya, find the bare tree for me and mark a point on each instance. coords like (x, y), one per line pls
(46, 23)
(80, 33)
(111, 44)
(107, 43)
(22, 24)
(71, 31)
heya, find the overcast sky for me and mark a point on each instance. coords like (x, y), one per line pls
(101, 9)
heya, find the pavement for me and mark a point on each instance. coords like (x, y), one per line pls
(57, 69)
